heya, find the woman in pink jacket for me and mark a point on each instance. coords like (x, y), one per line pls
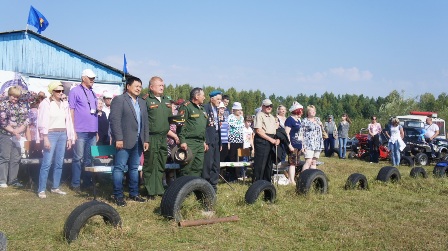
(56, 130)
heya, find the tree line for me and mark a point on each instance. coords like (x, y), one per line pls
(358, 107)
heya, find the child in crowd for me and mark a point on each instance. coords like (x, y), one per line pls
(248, 137)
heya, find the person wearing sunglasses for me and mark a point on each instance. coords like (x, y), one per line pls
(265, 128)
(56, 127)
(374, 139)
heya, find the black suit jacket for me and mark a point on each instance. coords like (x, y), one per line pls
(210, 131)
(123, 121)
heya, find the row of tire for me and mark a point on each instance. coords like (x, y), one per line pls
(181, 188)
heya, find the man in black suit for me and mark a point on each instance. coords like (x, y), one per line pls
(211, 168)
(130, 134)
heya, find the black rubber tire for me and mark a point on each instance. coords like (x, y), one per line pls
(406, 161)
(357, 180)
(440, 169)
(258, 187)
(351, 155)
(418, 172)
(389, 173)
(365, 156)
(179, 189)
(421, 159)
(312, 179)
(78, 217)
(3, 242)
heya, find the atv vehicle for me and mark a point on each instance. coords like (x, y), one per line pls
(419, 148)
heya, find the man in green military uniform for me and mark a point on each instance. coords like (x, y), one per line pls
(159, 109)
(192, 133)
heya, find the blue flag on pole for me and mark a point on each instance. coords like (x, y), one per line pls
(125, 68)
(36, 19)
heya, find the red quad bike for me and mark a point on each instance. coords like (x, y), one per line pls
(361, 150)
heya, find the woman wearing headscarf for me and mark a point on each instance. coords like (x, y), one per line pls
(292, 127)
(56, 127)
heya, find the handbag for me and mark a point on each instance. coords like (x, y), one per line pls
(324, 133)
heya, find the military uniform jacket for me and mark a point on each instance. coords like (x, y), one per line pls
(195, 122)
(211, 131)
(158, 113)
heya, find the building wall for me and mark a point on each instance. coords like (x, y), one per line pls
(35, 56)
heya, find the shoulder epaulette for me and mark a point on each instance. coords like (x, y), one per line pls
(186, 103)
(145, 97)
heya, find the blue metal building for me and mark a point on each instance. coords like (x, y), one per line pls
(35, 56)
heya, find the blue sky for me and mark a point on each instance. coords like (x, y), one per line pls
(279, 47)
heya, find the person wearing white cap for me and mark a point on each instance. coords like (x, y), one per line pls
(265, 128)
(83, 108)
(107, 98)
(292, 127)
(236, 140)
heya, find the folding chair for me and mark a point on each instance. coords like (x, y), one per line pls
(244, 155)
(98, 151)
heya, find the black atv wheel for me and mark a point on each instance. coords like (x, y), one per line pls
(421, 159)
(351, 155)
(406, 161)
(441, 169)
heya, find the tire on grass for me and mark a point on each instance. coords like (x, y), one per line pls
(418, 172)
(312, 179)
(78, 217)
(356, 180)
(179, 190)
(389, 173)
(3, 242)
(258, 187)
(441, 169)
(351, 155)
(407, 161)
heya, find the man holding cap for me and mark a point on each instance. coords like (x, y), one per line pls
(83, 109)
(192, 133)
(265, 129)
(213, 140)
(159, 109)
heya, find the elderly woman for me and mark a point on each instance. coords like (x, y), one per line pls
(396, 136)
(292, 127)
(103, 125)
(56, 127)
(236, 140)
(281, 115)
(14, 120)
(312, 143)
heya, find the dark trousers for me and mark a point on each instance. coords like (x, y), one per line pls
(225, 152)
(329, 145)
(233, 157)
(374, 152)
(262, 159)
(211, 169)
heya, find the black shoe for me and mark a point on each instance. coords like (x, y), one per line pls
(151, 197)
(137, 198)
(76, 189)
(120, 202)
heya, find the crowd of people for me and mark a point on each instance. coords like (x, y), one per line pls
(139, 129)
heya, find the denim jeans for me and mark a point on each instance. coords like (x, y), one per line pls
(395, 153)
(81, 151)
(127, 160)
(58, 142)
(342, 147)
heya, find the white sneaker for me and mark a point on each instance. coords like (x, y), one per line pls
(58, 191)
(3, 185)
(42, 195)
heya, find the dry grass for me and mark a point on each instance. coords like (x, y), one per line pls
(408, 215)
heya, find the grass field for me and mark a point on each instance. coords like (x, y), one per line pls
(408, 215)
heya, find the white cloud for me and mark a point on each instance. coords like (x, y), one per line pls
(339, 73)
